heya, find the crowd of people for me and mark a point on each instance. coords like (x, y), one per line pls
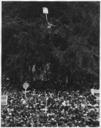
(50, 108)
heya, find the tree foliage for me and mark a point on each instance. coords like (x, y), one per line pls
(71, 45)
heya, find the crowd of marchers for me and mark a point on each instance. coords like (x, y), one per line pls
(50, 108)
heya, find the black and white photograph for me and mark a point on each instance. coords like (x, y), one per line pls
(50, 64)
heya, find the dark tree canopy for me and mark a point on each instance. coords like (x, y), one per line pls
(71, 46)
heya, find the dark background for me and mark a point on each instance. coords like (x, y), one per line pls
(71, 46)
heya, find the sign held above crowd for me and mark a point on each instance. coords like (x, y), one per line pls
(25, 86)
(45, 10)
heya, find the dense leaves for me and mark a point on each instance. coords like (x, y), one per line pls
(71, 43)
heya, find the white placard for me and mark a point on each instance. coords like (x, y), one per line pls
(45, 10)
(25, 85)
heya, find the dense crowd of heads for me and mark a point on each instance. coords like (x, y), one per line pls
(50, 108)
